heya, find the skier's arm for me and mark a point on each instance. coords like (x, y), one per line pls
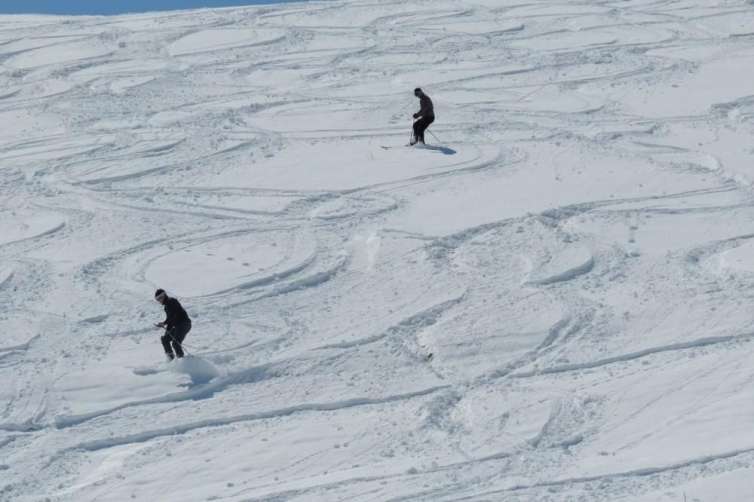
(170, 310)
(426, 107)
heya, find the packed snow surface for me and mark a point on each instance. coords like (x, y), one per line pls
(551, 302)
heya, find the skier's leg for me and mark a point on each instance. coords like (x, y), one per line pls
(179, 334)
(429, 123)
(165, 339)
(425, 124)
(421, 126)
(414, 139)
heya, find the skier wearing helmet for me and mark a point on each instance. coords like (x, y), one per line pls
(177, 324)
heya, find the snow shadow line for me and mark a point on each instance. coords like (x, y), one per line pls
(141, 437)
(701, 342)
(204, 391)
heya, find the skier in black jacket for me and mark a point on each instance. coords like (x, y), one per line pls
(425, 116)
(177, 324)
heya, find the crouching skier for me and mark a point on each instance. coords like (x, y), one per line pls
(425, 116)
(177, 324)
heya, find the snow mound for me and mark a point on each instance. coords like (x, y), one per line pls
(198, 369)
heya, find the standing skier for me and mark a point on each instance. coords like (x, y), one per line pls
(177, 324)
(425, 116)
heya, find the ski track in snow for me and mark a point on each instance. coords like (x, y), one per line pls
(550, 302)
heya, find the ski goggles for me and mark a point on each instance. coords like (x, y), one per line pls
(159, 298)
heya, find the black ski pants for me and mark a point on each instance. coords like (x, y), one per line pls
(174, 336)
(420, 126)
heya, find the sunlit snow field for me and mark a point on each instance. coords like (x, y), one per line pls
(552, 303)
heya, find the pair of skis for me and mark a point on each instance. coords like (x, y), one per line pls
(418, 145)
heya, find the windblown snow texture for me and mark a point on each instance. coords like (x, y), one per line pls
(575, 250)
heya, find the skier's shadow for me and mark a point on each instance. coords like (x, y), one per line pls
(442, 149)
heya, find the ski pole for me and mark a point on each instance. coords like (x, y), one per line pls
(170, 334)
(183, 347)
(433, 135)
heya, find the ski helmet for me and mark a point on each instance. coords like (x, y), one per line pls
(159, 294)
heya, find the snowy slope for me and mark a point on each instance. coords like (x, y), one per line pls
(577, 258)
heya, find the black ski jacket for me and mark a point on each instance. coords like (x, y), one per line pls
(175, 313)
(427, 109)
